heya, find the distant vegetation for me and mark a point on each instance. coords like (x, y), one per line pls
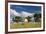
(37, 18)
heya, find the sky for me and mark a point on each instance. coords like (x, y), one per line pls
(30, 9)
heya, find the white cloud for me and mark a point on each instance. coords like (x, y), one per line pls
(25, 14)
(14, 12)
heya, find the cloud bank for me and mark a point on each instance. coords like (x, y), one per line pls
(23, 13)
(14, 12)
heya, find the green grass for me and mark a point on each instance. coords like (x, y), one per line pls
(25, 25)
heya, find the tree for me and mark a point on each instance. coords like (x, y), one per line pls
(17, 19)
(29, 18)
(37, 17)
(13, 18)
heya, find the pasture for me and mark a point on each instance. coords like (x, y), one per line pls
(25, 25)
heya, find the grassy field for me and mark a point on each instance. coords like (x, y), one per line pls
(25, 25)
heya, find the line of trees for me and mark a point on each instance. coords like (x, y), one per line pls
(17, 19)
(36, 16)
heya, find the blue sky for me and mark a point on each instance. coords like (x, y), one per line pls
(30, 9)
